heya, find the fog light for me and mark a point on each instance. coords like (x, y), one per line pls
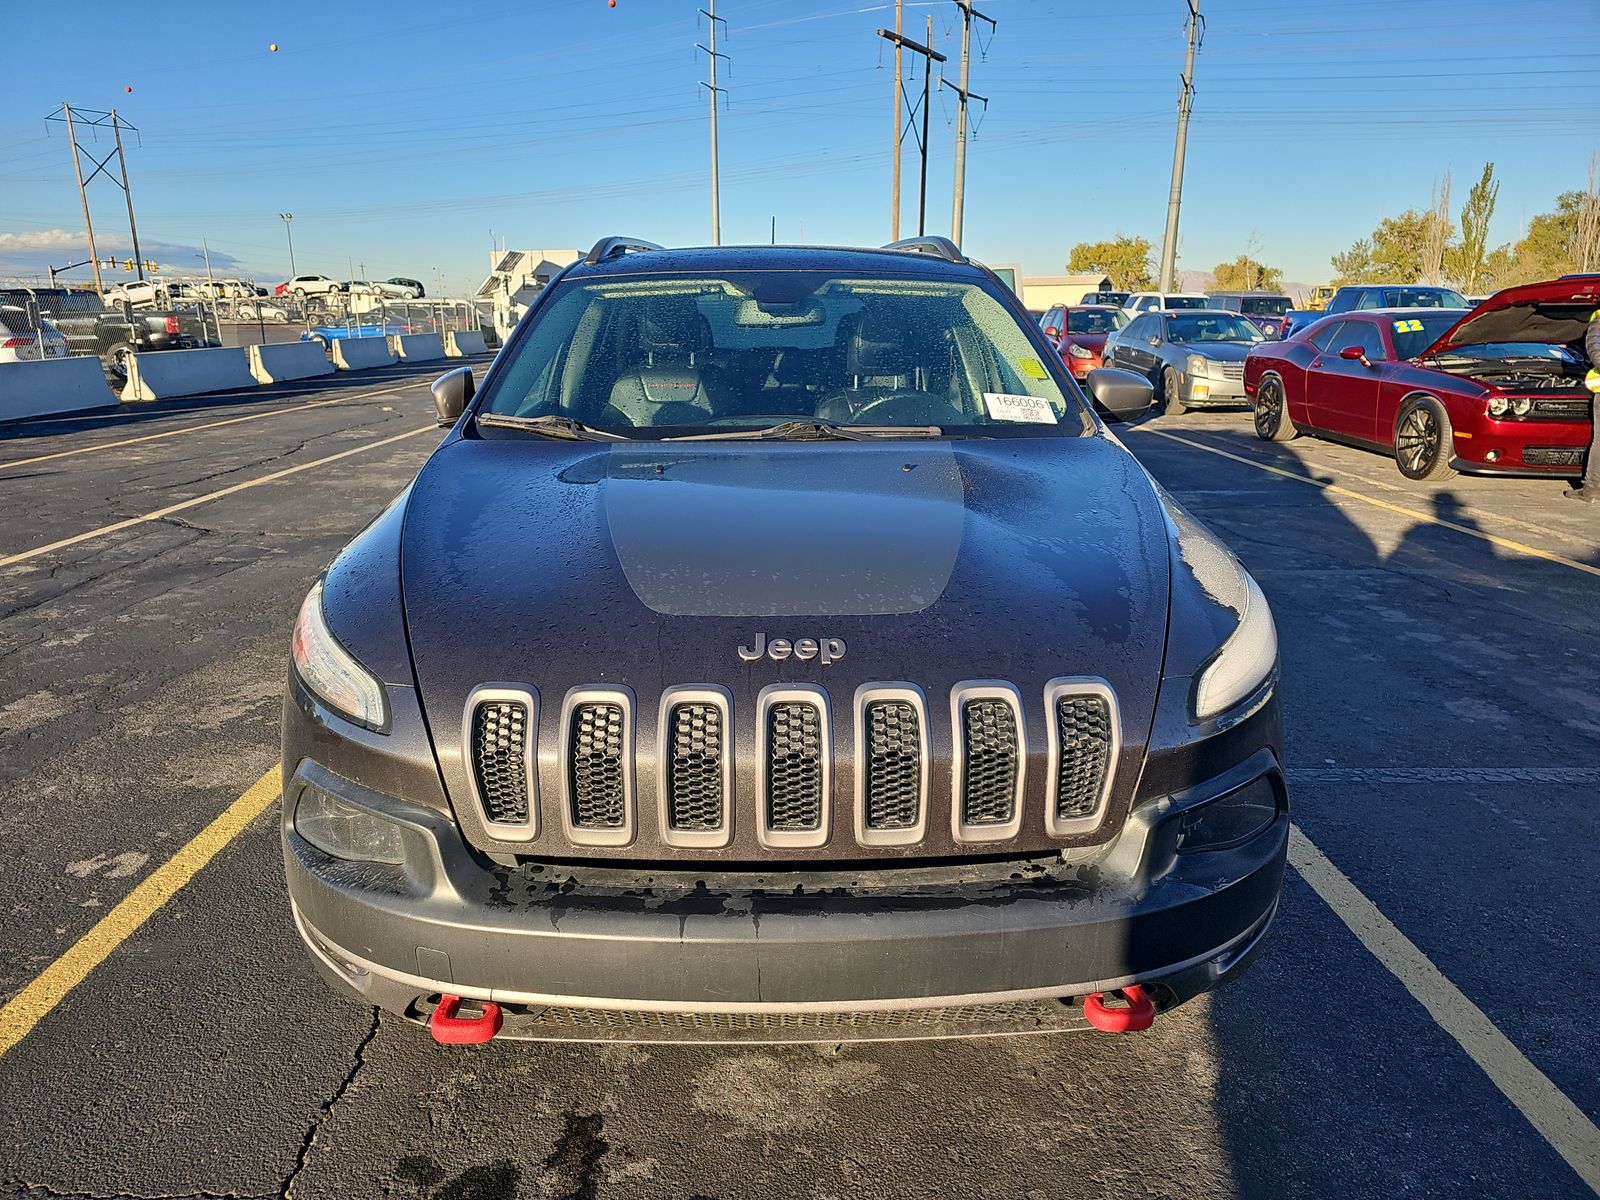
(1236, 817)
(1200, 391)
(1492, 456)
(345, 831)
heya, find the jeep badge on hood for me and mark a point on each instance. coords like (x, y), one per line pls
(824, 650)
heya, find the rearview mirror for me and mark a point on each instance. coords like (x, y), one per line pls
(1119, 395)
(451, 391)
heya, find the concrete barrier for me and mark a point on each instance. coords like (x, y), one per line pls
(416, 347)
(157, 375)
(360, 354)
(55, 385)
(288, 360)
(459, 343)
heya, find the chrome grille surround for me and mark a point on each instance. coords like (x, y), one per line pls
(576, 701)
(793, 839)
(964, 761)
(504, 693)
(671, 768)
(867, 697)
(1055, 692)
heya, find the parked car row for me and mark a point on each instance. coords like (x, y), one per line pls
(111, 332)
(321, 285)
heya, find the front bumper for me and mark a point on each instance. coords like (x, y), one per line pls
(781, 956)
(1200, 390)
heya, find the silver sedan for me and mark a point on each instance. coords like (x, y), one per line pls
(1193, 358)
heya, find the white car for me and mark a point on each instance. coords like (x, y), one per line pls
(262, 310)
(395, 289)
(312, 285)
(20, 341)
(1142, 302)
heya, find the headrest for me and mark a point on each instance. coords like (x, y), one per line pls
(878, 349)
(676, 330)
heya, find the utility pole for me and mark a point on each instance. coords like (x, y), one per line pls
(899, 136)
(929, 57)
(286, 218)
(1169, 242)
(133, 228)
(710, 14)
(83, 197)
(959, 192)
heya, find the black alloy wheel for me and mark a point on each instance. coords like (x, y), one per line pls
(1272, 413)
(1422, 441)
(1171, 397)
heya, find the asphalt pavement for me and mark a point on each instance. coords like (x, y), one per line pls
(1419, 1022)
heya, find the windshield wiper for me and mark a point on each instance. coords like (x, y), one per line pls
(552, 426)
(817, 431)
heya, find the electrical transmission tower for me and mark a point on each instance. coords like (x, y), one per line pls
(959, 192)
(710, 14)
(929, 57)
(93, 120)
(1169, 242)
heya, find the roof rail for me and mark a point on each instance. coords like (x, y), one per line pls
(940, 247)
(615, 247)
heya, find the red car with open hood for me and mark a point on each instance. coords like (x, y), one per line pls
(1497, 390)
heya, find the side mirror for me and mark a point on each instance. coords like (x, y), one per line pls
(1120, 395)
(451, 391)
(1051, 331)
(1355, 354)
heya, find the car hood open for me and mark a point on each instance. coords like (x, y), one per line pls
(1553, 312)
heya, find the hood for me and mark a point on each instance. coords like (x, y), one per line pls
(1554, 312)
(562, 565)
(1089, 341)
(1218, 351)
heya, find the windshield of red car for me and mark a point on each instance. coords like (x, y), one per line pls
(1096, 321)
(1413, 335)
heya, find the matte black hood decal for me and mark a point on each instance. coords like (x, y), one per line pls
(829, 531)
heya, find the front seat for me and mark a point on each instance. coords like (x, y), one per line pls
(665, 387)
(877, 362)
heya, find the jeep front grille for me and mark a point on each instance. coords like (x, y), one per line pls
(991, 753)
(696, 745)
(894, 768)
(596, 765)
(499, 760)
(1083, 748)
(794, 766)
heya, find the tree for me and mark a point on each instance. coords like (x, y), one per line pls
(1246, 274)
(1465, 264)
(1126, 260)
(1437, 232)
(1393, 254)
(1553, 244)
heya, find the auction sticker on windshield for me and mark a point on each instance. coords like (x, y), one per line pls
(1006, 406)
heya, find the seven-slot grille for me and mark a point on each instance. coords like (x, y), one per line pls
(696, 744)
(894, 765)
(596, 764)
(990, 756)
(1232, 370)
(794, 766)
(1083, 727)
(499, 762)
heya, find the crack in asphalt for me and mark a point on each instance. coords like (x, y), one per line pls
(314, 1130)
(30, 1188)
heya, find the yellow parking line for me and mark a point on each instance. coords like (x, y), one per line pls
(171, 433)
(1507, 543)
(29, 1006)
(158, 514)
(1559, 1121)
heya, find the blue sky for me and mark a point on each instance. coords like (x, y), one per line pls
(400, 135)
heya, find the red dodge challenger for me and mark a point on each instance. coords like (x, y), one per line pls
(1497, 390)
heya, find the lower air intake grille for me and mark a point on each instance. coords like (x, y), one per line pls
(597, 765)
(499, 742)
(989, 762)
(1083, 725)
(1552, 456)
(694, 770)
(794, 766)
(894, 765)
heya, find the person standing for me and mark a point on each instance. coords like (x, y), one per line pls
(1588, 488)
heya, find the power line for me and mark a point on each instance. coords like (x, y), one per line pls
(929, 57)
(710, 14)
(1169, 242)
(959, 192)
(93, 119)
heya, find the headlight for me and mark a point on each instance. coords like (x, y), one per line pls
(1498, 406)
(1197, 365)
(328, 670)
(1234, 818)
(345, 831)
(1522, 406)
(1077, 351)
(1245, 660)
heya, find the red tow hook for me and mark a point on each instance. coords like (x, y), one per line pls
(1139, 1014)
(451, 1030)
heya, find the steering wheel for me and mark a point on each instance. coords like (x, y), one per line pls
(909, 408)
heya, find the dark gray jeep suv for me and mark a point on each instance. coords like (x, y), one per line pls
(779, 647)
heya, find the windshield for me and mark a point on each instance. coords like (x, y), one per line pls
(1096, 320)
(1522, 350)
(676, 356)
(1211, 327)
(1423, 297)
(1264, 306)
(1413, 335)
(1187, 302)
